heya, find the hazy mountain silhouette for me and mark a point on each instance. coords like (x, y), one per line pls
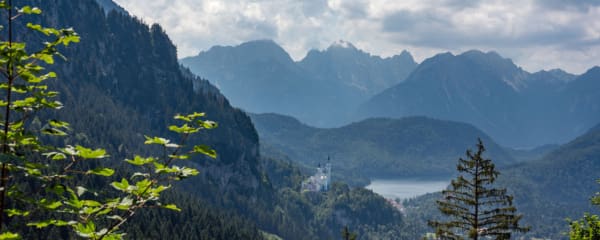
(323, 89)
(516, 108)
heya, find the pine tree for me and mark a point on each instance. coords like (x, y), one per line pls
(476, 209)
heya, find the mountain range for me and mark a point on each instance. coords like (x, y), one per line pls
(515, 107)
(323, 89)
(342, 84)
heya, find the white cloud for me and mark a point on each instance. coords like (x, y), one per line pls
(536, 34)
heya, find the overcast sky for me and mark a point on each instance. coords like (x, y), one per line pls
(536, 34)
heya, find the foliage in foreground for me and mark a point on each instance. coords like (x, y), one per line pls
(41, 184)
(587, 228)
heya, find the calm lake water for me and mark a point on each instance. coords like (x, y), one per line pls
(406, 188)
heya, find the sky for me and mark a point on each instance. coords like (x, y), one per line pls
(535, 34)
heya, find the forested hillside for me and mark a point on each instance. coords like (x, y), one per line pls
(123, 81)
(546, 191)
(375, 148)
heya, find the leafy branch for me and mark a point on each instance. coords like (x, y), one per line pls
(53, 194)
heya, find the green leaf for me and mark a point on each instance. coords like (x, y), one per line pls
(30, 10)
(208, 124)
(139, 161)
(16, 212)
(58, 124)
(47, 76)
(73, 201)
(156, 140)
(69, 35)
(160, 168)
(57, 189)
(172, 145)
(27, 102)
(104, 211)
(9, 236)
(47, 58)
(47, 223)
(91, 203)
(184, 118)
(55, 155)
(180, 157)
(85, 230)
(53, 132)
(28, 141)
(172, 207)
(205, 150)
(125, 203)
(87, 153)
(69, 150)
(123, 185)
(189, 117)
(50, 205)
(142, 185)
(59, 156)
(186, 172)
(183, 129)
(157, 190)
(107, 172)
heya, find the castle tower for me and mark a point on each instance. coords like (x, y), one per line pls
(327, 172)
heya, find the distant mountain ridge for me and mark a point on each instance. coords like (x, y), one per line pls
(323, 89)
(344, 63)
(517, 108)
(377, 148)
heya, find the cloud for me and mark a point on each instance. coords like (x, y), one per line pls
(350, 9)
(504, 26)
(579, 5)
(567, 30)
(314, 8)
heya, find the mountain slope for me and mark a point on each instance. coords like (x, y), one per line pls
(323, 89)
(558, 186)
(546, 191)
(123, 81)
(109, 5)
(408, 147)
(515, 107)
(583, 100)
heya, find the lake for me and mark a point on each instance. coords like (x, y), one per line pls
(406, 188)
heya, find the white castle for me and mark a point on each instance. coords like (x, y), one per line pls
(320, 181)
